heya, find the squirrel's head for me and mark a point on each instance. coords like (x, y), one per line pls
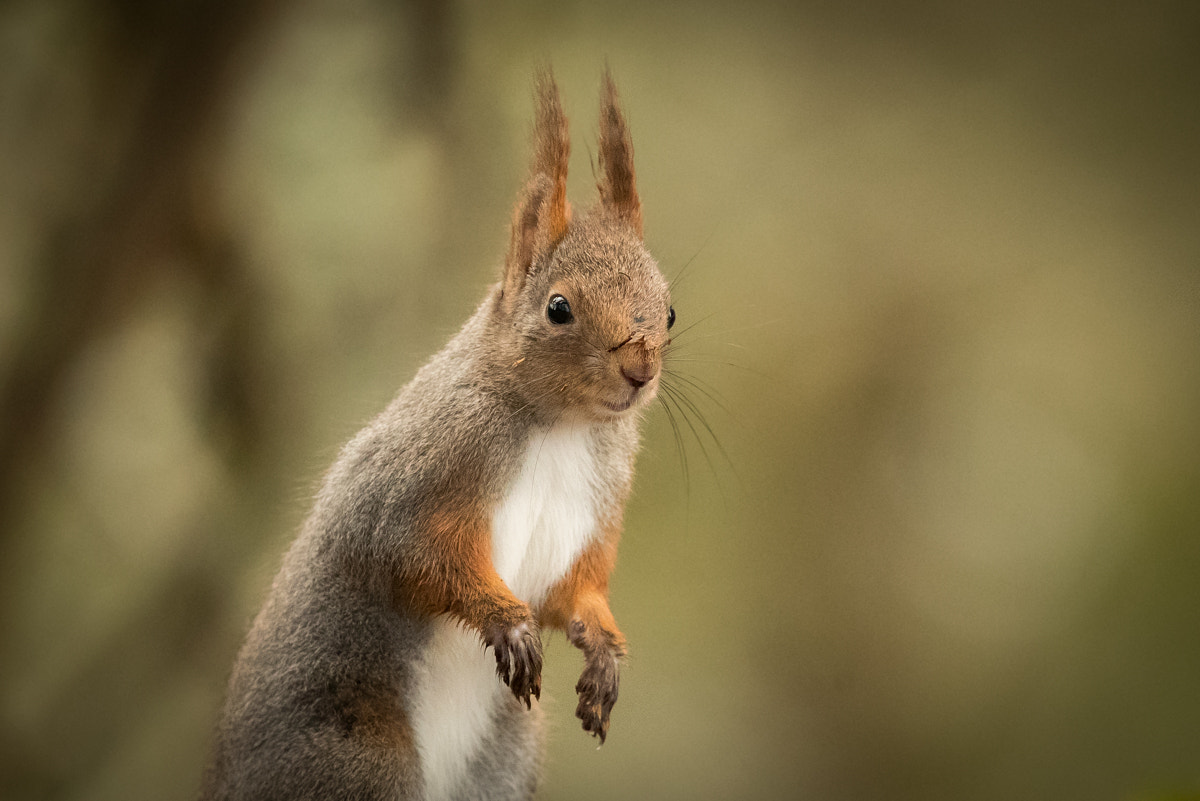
(585, 309)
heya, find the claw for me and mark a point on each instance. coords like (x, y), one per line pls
(597, 689)
(502, 664)
(519, 660)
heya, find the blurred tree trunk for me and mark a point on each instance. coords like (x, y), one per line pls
(142, 212)
(101, 255)
(164, 72)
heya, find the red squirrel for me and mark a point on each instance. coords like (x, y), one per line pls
(482, 505)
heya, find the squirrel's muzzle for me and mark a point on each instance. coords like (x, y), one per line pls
(638, 363)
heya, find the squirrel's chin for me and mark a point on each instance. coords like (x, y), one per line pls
(635, 399)
(618, 408)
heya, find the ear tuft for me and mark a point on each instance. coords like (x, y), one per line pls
(552, 151)
(618, 182)
(542, 214)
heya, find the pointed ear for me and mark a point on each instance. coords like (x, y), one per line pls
(526, 222)
(542, 213)
(618, 183)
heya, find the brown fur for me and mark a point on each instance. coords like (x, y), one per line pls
(542, 215)
(322, 697)
(618, 182)
(552, 151)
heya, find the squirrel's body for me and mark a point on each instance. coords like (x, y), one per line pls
(485, 501)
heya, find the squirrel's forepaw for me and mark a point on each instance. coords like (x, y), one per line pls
(597, 690)
(519, 659)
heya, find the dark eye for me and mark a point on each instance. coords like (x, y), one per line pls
(670, 317)
(559, 311)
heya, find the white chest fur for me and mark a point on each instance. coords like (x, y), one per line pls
(544, 521)
(549, 514)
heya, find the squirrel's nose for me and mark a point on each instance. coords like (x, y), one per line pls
(638, 362)
(638, 375)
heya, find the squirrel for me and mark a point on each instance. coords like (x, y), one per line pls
(484, 504)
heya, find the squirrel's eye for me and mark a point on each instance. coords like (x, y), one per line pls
(670, 317)
(559, 311)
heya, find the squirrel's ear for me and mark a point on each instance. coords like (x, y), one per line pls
(542, 214)
(618, 183)
(526, 223)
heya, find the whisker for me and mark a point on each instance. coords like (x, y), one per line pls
(733, 330)
(684, 405)
(682, 270)
(687, 403)
(680, 450)
(718, 363)
(703, 387)
(691, 325)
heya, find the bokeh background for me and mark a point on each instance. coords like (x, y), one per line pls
(928, 523)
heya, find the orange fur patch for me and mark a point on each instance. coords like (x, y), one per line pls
(582, 595)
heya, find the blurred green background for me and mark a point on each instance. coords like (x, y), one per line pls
(934, 528)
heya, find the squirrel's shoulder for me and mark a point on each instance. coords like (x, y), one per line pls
(452, 424)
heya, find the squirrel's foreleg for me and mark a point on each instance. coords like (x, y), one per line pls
(579, 606)
(455, 575)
